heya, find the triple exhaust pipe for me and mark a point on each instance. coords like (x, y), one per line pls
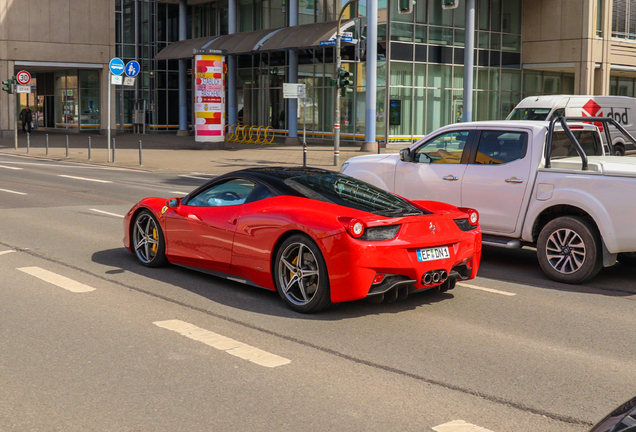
(435, 276)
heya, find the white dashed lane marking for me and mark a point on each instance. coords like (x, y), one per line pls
(490, 290)
(13, 192)
(11, 168)
(84, 178)
(459, 426)
(230, 346)
(7, 252)
(56, 279)
(179, 193)
(107, 213)
(195, 177)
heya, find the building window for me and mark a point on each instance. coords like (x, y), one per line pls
(624, 19)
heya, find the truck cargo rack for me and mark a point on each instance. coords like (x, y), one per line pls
(593, 120)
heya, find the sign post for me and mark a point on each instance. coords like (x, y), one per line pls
(298, 91)
(116, 67)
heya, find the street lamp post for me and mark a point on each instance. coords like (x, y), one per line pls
(336, 125)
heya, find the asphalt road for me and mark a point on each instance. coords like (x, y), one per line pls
(92, 340)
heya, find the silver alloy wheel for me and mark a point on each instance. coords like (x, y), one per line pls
(298, 274)
(565, 251)
(146, 238)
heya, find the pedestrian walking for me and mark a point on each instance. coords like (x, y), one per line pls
(26, 117)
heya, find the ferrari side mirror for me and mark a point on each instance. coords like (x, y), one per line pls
(174, 202)
(405, 155)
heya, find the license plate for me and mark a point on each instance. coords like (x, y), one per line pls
(432, 254)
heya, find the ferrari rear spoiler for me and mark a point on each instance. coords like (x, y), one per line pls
(606, 121)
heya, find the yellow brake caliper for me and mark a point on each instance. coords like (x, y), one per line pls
(291, 275)
(155, 246)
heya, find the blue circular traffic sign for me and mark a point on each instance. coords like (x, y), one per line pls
(132, 68)
(116, 66)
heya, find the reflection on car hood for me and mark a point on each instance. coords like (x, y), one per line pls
(372, 158)
(622, 419)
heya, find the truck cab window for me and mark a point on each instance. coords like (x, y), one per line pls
(500, 147)
(446, 148)
(562, 146)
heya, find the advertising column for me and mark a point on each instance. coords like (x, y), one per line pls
(209, 95)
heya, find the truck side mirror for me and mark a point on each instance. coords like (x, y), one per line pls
(405, 155)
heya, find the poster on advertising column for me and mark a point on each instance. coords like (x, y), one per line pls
(209, 95)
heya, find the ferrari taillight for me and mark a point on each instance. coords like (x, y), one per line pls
(473, 216)
(356, 228)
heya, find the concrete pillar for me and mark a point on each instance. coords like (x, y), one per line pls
(183, 75)
(370, 143)
(231, 69)
(7, 101)
(291, 114)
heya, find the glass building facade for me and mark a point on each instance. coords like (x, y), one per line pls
(420, 66)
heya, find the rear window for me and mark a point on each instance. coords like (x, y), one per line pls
(562, 146)
(346, 191)
(529, 114)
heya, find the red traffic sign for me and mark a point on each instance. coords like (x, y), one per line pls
(23, 77)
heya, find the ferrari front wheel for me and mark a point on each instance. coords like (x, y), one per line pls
(148, 241)
(301, 275)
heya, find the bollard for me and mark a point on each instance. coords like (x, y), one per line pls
(89, 148)
(113, 150)
(28, 142)
(47, 144)
(140, 164)
(379, 146)
(67, 146)
(304, 153)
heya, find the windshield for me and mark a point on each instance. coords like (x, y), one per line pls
(346, 191)
(529, 114)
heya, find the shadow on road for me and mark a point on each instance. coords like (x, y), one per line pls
(240, 296)
(521, 266)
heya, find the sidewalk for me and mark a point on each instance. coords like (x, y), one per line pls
(170, 153)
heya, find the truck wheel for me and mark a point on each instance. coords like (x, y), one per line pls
(569, 250)
(619, 150)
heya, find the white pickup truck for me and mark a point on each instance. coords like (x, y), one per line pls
(533, 183)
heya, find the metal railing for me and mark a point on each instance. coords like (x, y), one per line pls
(579, 149)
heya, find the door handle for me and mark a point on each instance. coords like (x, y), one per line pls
(514, 180)
(450, 178)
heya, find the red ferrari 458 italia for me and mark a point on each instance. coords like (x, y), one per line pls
(317, 237)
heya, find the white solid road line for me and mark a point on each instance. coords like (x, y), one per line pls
(11, 168)
(490, 290)
(223, 343)
(7, 252)
(107, 213)
(180, 193)
(13, 192)
(459, 426)
(56, 279)
(84, 178)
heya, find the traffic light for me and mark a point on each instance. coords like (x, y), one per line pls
(450, 4)
(406, 6)
(8, 85)
(343, 81)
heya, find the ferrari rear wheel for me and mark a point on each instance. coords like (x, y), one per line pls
(301, 275)
(148, 241)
